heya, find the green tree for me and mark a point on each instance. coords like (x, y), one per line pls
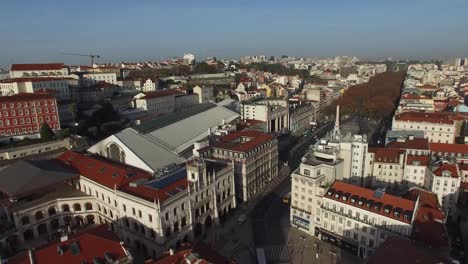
(46, 132)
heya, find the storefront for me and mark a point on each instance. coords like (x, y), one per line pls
(336, 240)
(301, 222)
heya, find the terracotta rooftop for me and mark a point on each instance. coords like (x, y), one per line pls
(436, 118)
(428, 224)
(421, 160)
(448, 148)
(96, 243)
(200, 253)
(35, 79)
(125, 178)
(377, 202)
(103, 171)
(402, 251)
(25, 97)
(37, 67)
(244, 141)
(452, 168)
(389, 155)
(415, 143)
(157, 94)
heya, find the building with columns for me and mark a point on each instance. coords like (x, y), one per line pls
(275, 113)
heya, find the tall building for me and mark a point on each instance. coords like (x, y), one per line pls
(255, 157)
(23, 115)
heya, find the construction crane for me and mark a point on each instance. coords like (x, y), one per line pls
(92, 56)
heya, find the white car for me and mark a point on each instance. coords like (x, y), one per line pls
(242, 218)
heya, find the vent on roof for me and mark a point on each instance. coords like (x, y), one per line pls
(379, 193)
(137, 183)
(130, 174)
(75, 249)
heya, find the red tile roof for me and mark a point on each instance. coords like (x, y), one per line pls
(428, 224)
(436, 118)
(92, 243)
(35, 79)
(152, 194)
(205, 254)
(416, 143)
(413, 96)
(423, 160)
(156, 94)
(402, 251)
(103, 171)
(387, 199)
(37, 67)
(112, 174)
(25, 97)
(388, 155)
(452, 168)
(243, 141)
(448, 148)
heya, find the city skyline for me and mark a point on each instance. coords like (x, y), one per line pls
(155, 31)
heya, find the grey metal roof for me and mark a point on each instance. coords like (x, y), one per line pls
(173, 117)
(26, 176)
(165, 142)
(405, 133)
(154, 154)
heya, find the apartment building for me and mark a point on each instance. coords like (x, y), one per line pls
(416, 172)
(385, 167)
(445, 183)
(437, 127)
(90, 79)
(58, 86)
(150, 85)
(275, 113)
(38, 69)
(159, 102)
(361, 219)
(255, 157)
(22, 115)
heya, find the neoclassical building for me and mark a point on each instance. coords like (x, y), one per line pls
(150, 214)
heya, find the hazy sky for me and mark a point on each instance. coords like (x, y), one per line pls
(40, 30)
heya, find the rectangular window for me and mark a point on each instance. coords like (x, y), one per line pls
(150, 218)
(133, 211)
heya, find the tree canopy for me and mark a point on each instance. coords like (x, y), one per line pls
(46, 132)
(375, 99)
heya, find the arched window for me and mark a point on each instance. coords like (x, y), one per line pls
(77, 207)
(39, 215)
(65, 208)
(25, 220)
(89, 206)
(52, 211)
